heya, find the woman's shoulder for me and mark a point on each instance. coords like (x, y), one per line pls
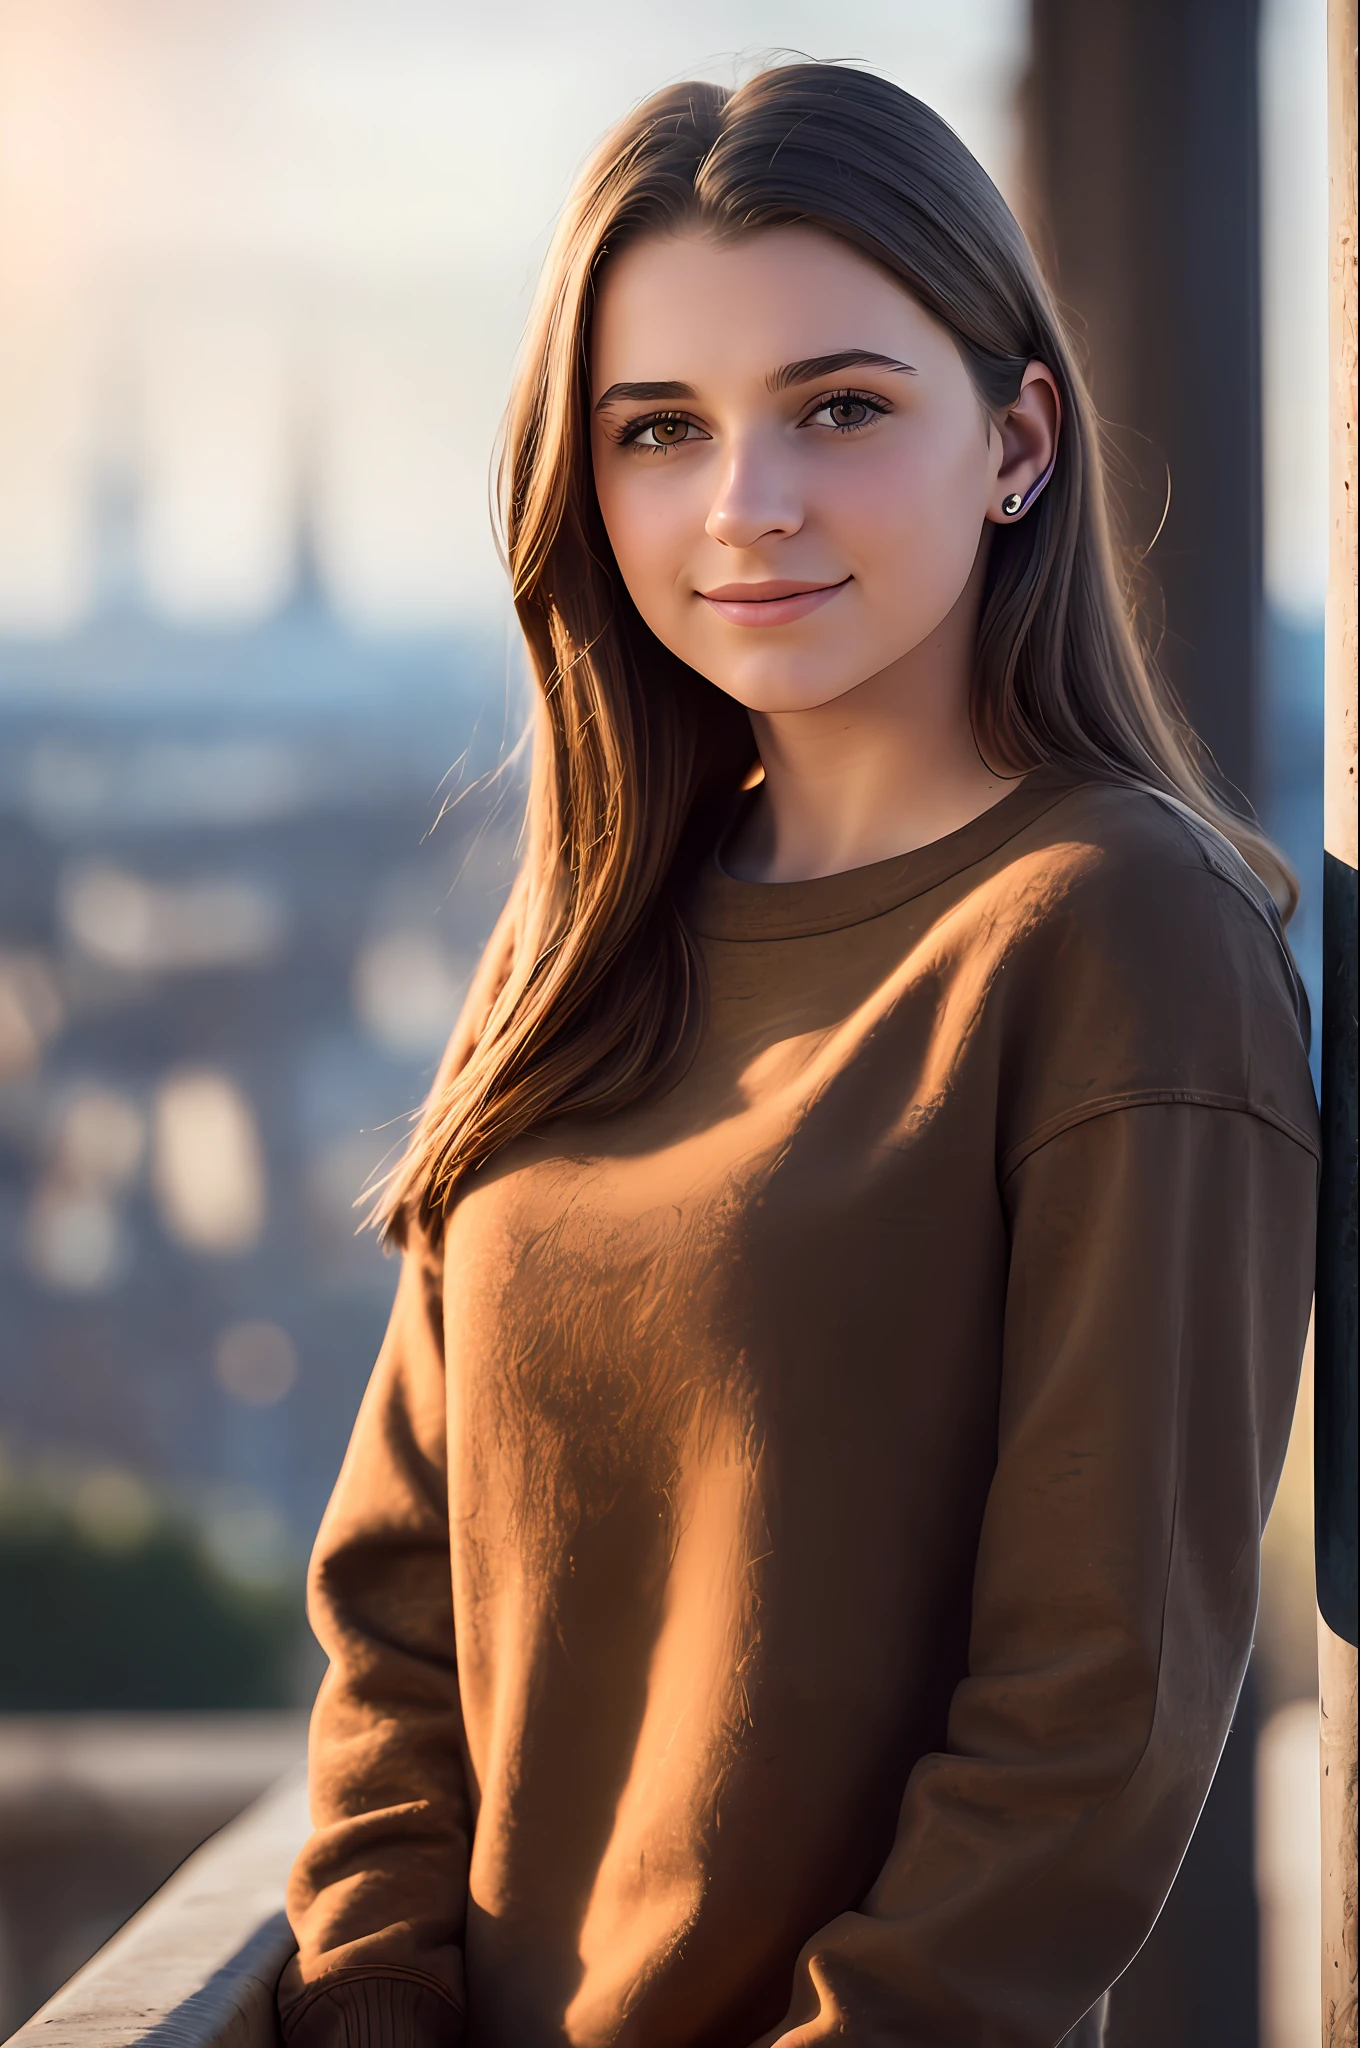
(1149, 964)
(1137, 874)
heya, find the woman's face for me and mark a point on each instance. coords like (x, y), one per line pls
(793, 466)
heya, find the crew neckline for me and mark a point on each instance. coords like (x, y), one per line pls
(723, 907)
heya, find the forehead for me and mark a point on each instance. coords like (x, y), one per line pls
(685, 305)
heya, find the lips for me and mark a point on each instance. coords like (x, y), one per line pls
(774, 603)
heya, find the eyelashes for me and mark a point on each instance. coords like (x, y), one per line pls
(866, 406)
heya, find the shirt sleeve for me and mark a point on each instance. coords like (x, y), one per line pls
(376, 1898)
(1160, 1275)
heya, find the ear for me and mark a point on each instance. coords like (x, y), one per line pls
(1028, 432)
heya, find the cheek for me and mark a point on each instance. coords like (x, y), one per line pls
(651, 531)
(913, 519)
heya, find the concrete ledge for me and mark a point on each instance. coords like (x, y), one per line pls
(197, 1967)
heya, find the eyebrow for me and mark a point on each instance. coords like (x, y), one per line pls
(808, 370)
(813, 368)
(618, 392)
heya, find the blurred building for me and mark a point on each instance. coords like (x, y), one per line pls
(231, 953)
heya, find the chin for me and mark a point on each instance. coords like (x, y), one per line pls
(783, 689)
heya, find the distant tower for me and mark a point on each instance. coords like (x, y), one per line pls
(307, 593)
(114, 506)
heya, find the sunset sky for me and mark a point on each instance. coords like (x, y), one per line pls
(255, 247)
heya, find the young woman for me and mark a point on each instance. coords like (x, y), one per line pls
(797, 1557)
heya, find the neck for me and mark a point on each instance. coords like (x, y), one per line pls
(890, 766)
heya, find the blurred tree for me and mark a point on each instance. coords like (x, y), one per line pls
(150, 1622)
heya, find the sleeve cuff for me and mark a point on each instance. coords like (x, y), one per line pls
(376, 2012)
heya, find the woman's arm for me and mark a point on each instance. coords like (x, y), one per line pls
(1160, 1281)
(376, 1898)
(378, 1895)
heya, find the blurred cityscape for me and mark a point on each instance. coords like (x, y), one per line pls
(243, 877)
(233, 947)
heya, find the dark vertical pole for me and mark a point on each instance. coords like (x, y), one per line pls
(1143, 170)
(1338, 1325)
(1143, 177)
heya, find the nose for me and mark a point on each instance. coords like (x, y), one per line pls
(755, 498)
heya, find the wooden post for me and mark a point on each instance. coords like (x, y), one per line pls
(1337, 1331)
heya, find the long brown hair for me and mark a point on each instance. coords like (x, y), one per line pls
(591, 980)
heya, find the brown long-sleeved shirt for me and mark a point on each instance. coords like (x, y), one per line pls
(797, 1557)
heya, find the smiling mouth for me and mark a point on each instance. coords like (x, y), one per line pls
(775, 603)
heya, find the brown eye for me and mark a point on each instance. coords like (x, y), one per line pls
(661, 433)
(669, 430)
(848, 412)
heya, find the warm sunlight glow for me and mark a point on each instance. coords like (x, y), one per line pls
(264, 257)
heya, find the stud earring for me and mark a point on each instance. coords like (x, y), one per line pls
(1015, 503)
